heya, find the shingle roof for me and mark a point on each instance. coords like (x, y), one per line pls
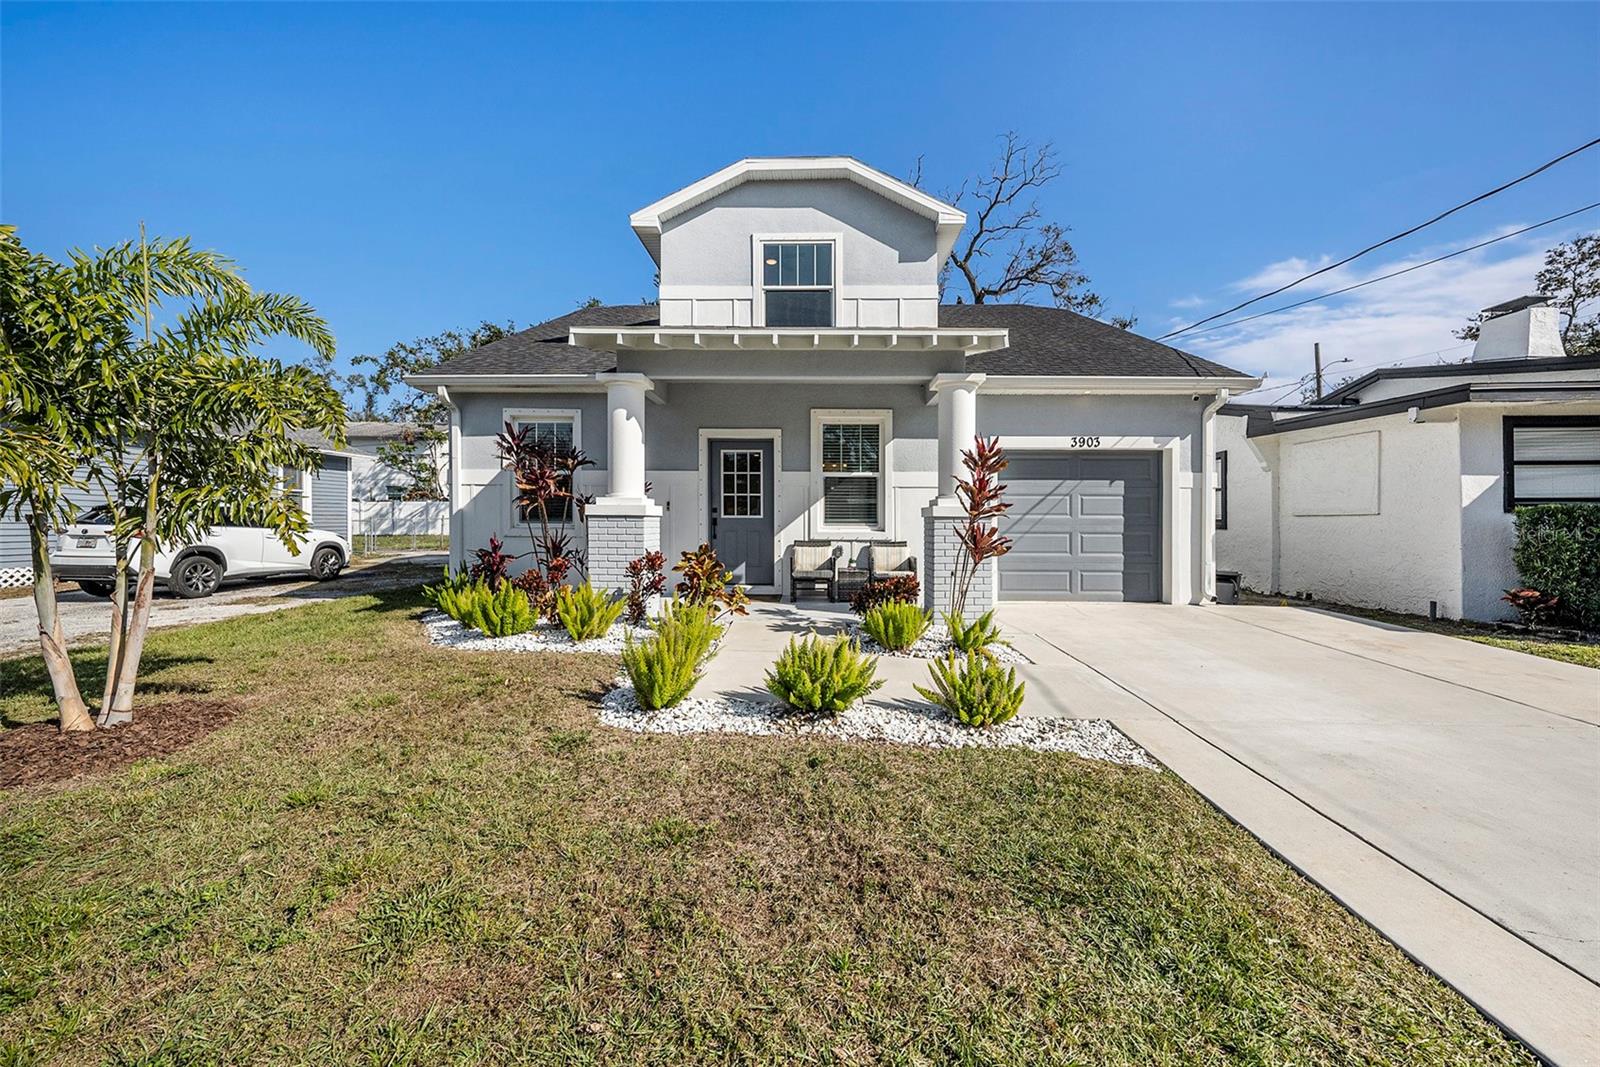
(1044, 340)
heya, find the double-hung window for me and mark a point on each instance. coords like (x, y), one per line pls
(797, 282)
(851, 467)
(1552, 460)
(558, 432)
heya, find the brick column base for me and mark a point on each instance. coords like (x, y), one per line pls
(941, 549)
(619, 533)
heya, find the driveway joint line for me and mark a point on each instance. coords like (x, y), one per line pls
(1410, 670)
(1318, 811)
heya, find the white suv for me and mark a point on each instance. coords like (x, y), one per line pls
(84, 554)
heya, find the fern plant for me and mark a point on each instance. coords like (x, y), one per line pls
(896, 625)
(450, 585)
(821, 676)
(696, 623)
(666, 667)
(978, 691)
(496, 612)
(587, 613)
(973, 637)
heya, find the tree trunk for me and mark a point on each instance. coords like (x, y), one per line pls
(119, 629)
(139, 618)
(73, 716)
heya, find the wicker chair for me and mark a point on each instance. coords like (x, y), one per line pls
(812, 563)
(888, 558)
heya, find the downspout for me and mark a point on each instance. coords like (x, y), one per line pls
(1208, 469)
(457, 533)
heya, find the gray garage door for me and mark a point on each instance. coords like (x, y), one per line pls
(1086, 526)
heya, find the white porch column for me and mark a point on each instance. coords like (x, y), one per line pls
(957, 395)
(625, 437)
(625, 523)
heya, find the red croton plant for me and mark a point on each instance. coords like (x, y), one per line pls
(545, 474)
(982, 496)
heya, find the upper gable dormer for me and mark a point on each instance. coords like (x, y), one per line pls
(822, 242)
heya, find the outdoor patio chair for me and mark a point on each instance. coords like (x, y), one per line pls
(888, 558)
(812, 563)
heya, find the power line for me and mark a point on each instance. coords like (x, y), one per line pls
(1399, 361)
(1389, 240)
(1397, 273)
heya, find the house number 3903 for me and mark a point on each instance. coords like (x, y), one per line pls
(1085, 442)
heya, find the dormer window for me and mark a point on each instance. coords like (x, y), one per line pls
(797, 282)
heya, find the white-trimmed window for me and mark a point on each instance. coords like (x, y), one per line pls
(1552, 460)
(848, 456)
(555, 429)
(797, 279)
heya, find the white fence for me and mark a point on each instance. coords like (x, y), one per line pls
(386, 517)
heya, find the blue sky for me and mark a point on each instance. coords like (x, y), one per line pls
(413, 168)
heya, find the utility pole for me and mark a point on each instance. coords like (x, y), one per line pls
(1316, 357)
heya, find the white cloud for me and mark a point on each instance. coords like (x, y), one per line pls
(1408, 319)
(1191, 301)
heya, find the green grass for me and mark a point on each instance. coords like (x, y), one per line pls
(389, 544)
(399, 854)
(1582, 653)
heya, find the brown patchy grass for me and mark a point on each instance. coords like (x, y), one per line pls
(402, 854)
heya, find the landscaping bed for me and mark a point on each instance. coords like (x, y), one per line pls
(934, 644)
(909, 724)
(406, 855)
(545, 637)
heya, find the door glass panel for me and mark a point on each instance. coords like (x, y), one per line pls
(741, 483)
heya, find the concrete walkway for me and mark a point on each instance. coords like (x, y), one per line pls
(1446, 791)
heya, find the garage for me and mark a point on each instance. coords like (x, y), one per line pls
(1084, 526)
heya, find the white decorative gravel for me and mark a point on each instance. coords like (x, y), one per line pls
(546, 637)
(908, 724)
(933, 644)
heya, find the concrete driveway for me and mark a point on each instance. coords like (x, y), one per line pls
(87, 618)
(1475, 768)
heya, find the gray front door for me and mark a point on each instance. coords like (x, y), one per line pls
(740, 496)
(1085, 526)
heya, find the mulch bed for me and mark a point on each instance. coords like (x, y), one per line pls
(38, 753)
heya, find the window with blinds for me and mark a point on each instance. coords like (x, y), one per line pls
(851, 473)
(1552, 460)
(553, 433)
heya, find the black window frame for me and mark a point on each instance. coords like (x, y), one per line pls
(1222, 489)
(1509, 425)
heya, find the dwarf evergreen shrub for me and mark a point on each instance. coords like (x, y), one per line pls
(978, 691)
(821, 676)
(587, 613)
(896, 625)
(1557, 552)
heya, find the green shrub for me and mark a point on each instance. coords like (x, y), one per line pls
(1558, 553)
(695, 622)
(495, 612)
(974, 636)
(896, 625)
(664, 668)
(978, 691)
(815, 675)
(586, 612)
(451, 586)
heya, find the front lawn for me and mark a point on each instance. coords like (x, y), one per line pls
(394, 853)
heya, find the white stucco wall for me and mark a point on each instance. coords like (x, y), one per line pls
(1246, 545)
(1369, 514)
(370, 479)
(1463, 374)
(886, 268)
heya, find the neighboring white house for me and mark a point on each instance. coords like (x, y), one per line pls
(800, 380)
(1397, 490)
(371, 479)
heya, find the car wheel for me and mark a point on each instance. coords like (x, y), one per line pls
(99, 589)
(326, 563)
(195, 577)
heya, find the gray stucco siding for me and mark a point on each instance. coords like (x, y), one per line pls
(884, 244)
(483, 416)
(1102, 415)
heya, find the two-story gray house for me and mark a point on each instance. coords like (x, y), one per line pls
(799, 380)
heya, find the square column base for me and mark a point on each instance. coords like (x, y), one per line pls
(942, 523)
(619, 532)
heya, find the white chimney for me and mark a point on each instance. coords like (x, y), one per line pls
(1524, 328)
